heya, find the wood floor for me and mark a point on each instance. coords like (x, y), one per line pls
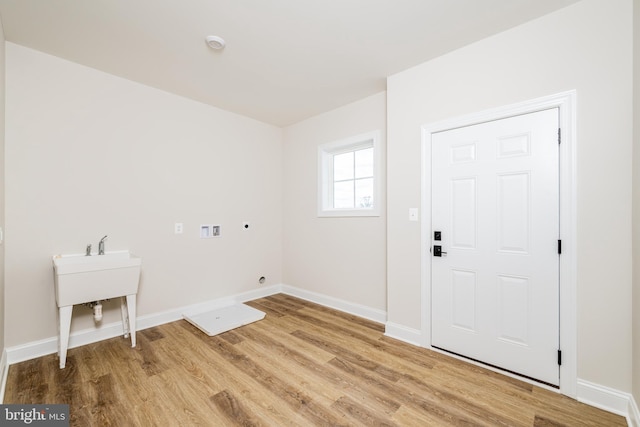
(303, 365)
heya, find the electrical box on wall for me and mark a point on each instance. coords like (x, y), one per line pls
(208, 231)
(177, 228)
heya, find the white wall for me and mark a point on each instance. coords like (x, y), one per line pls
(587, 47)
(636, 201)
(2, 185)
(89, 154)
(342, 258)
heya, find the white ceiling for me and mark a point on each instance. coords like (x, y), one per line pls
(285, 60)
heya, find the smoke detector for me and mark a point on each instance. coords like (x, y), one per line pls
(215, 42)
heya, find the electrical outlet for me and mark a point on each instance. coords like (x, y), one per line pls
(177, 228)
(208, 231)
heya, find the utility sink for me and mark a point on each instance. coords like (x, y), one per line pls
(80, 279)
(83, 279)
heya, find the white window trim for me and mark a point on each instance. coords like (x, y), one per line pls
(325, 178)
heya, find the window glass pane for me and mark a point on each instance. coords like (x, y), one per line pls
(364, 163)
(364, 193)
(343, 166)
(348, 171)
(343, 195)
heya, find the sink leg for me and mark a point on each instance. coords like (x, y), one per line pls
(131, 309)
(64, 327)
(59, 330)
(125, 316)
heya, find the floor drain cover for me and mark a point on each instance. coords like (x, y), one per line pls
(224, 319)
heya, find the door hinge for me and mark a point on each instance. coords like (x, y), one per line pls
(559, 247)
(559, 136)
(559, 357)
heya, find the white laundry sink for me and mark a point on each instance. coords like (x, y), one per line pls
(83, 279)
(80, 279)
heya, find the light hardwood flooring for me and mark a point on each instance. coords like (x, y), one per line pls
(303, 365)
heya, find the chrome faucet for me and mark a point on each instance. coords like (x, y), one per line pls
(101, 246)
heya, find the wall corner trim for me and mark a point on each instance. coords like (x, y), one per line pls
(608, 399)
(633, 416)
(403, 333)
(4, 370)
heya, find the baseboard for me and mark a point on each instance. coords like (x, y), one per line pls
(403, 333)
(4, 370)
(47, 346)
(633, 417)
(606, 398)
(373, 314)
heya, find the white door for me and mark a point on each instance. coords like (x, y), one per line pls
(495, 286)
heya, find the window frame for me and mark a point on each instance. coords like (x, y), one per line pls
(326, 152)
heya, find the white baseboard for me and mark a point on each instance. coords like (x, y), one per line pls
(373, 314)
(46, 346)
(403, 333)
(4, 370)
(633, 417)
(608, 399)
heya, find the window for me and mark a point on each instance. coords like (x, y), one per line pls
(348, 177)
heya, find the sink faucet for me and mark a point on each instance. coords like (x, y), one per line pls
(101, 246)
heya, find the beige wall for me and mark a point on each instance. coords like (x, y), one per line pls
(2, 185)
(89, 154)
(636, 201)
(586, 47)
(342, 258)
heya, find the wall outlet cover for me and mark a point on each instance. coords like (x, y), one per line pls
(208, 231)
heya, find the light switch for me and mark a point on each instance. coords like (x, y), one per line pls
(413, 214)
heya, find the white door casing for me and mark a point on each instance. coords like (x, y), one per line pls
(495, 289)
(565, 102)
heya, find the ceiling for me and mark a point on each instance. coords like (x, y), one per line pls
(285, 60)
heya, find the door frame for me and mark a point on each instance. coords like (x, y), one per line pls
(566, 103)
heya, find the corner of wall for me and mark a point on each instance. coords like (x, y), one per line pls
(608, 399)
(634, 412)
(633, 417)
(4, 370)
(2, 191)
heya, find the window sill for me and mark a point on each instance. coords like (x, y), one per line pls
(338, 213)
